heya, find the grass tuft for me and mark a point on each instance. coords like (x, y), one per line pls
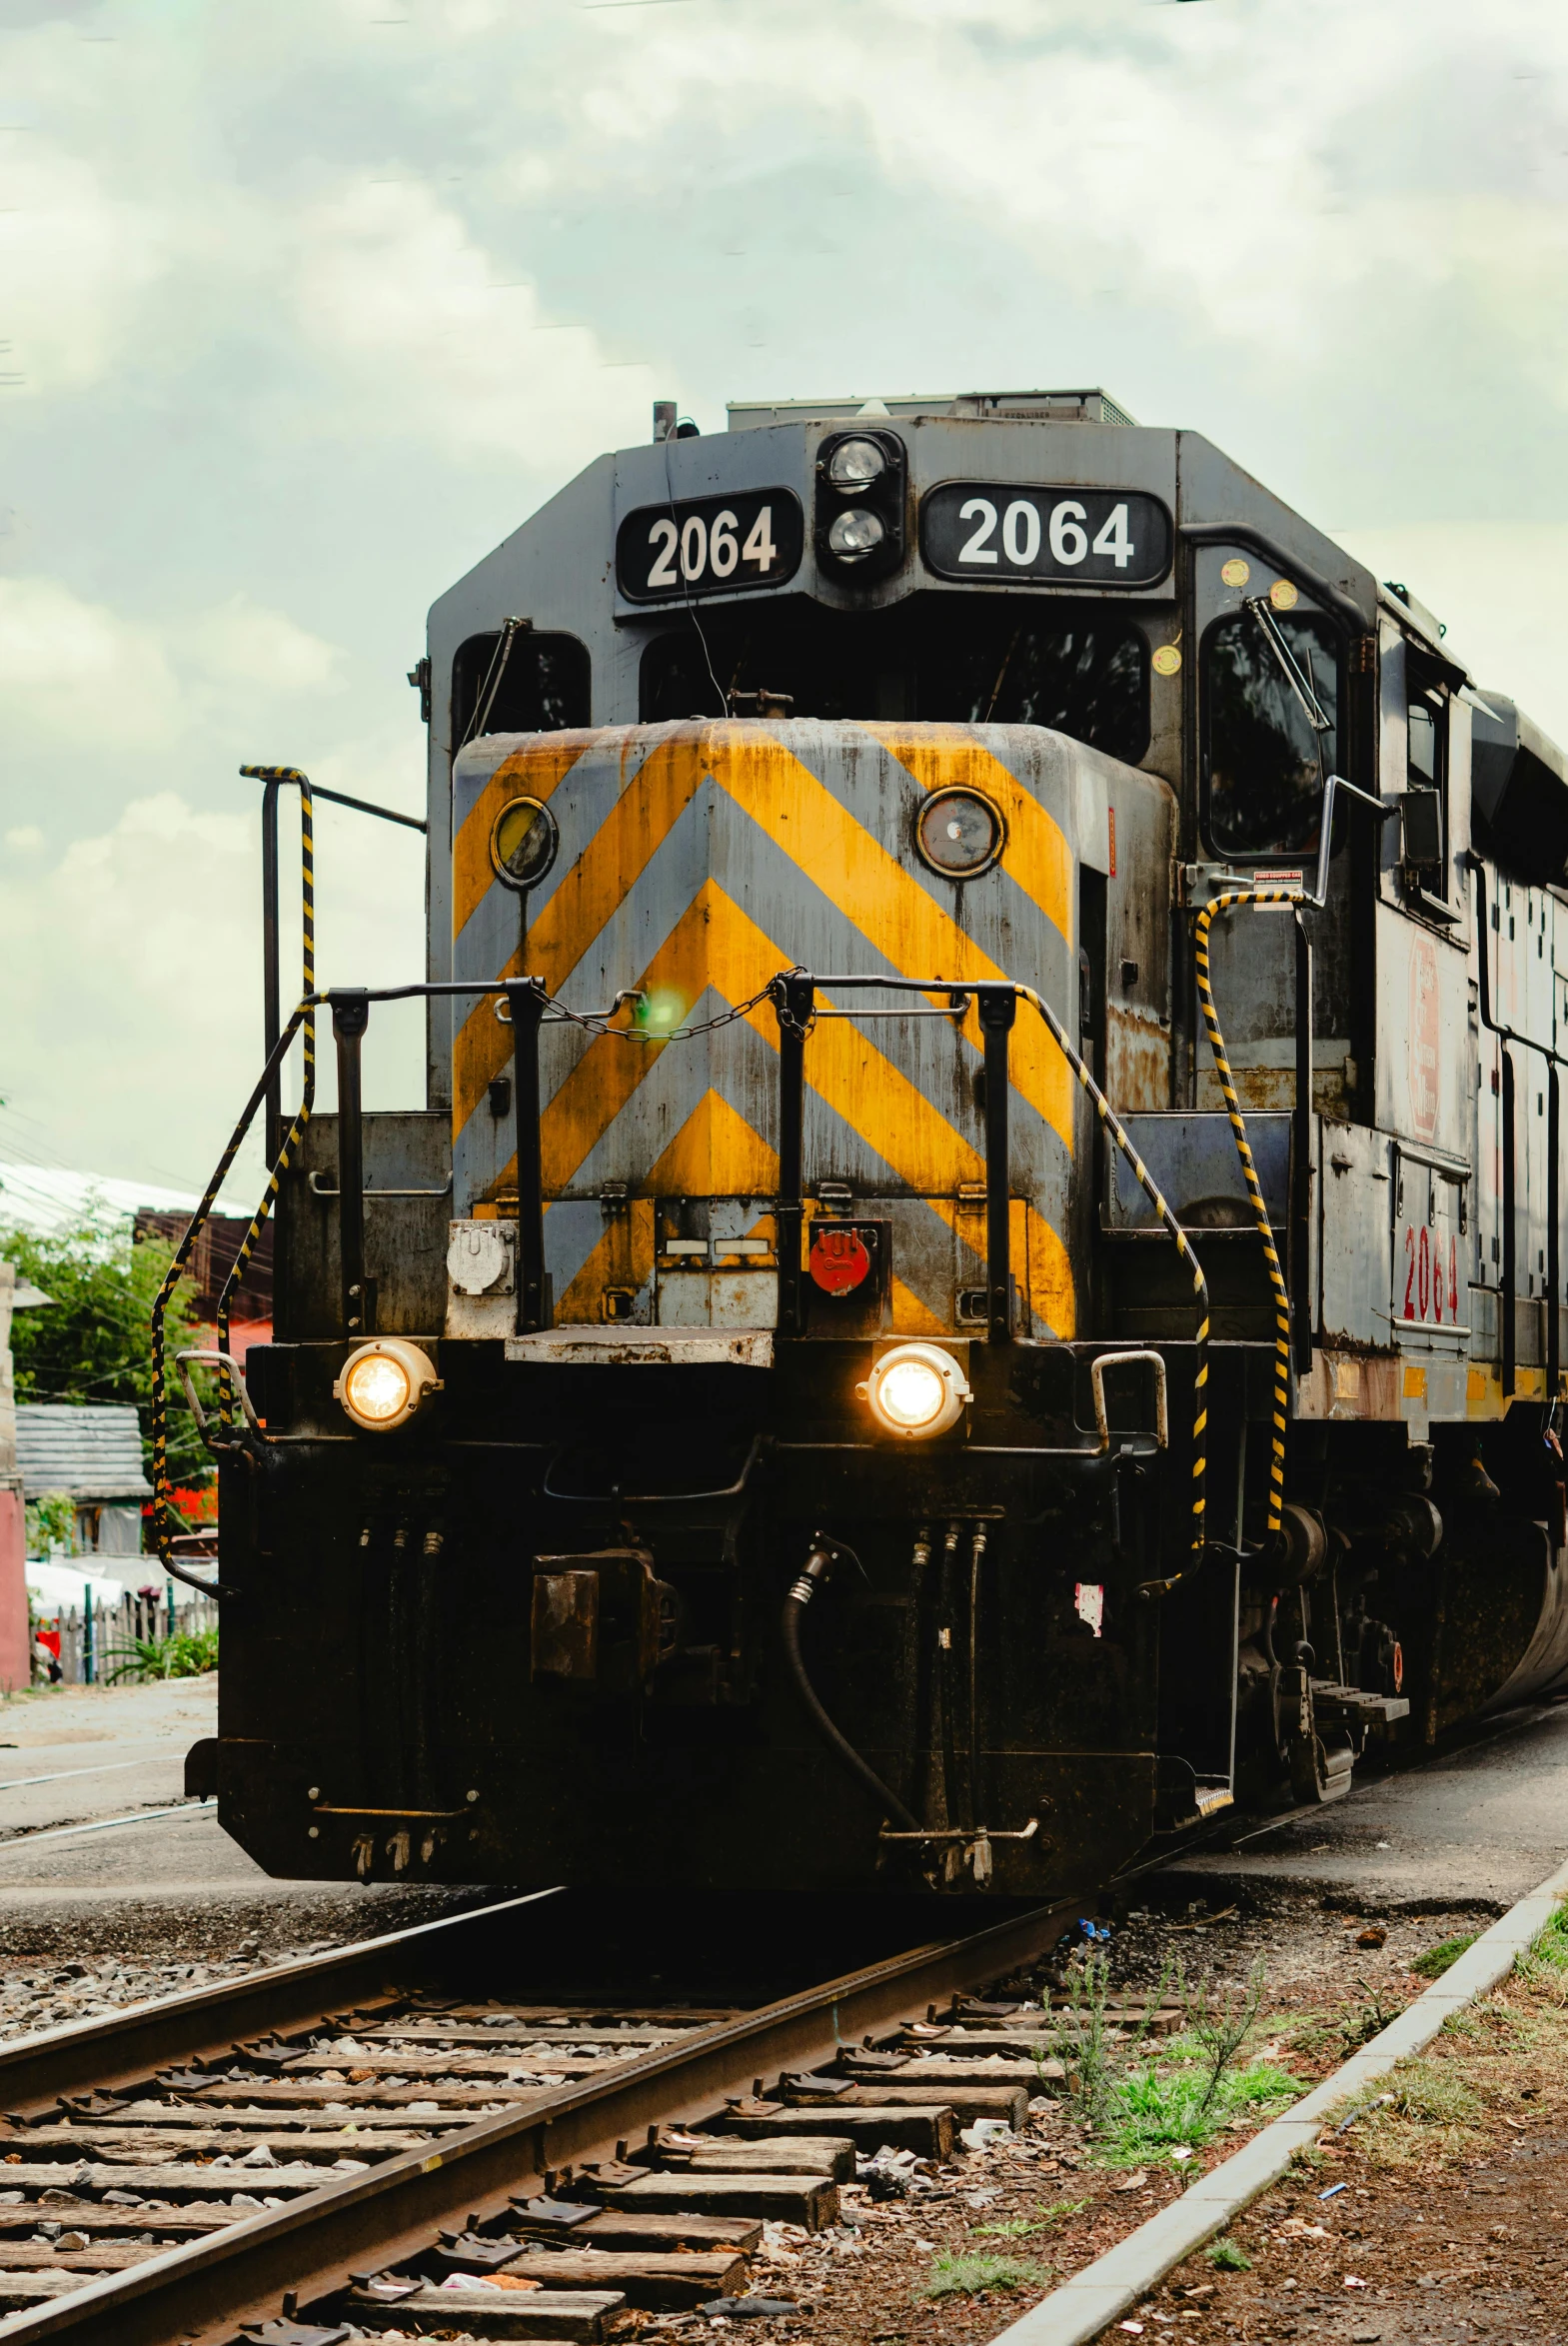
(1162, 2107)
(976, 2275)
(1437, 1959)
(1432, 2093)
(1228, 2256)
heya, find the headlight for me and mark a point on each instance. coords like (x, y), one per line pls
(856, 464)
(856, 534)
(381, 1385)
(523, 843)
(917, 1390)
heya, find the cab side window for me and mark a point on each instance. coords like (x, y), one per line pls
(1264, 762)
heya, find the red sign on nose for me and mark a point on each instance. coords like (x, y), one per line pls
(840, 1260)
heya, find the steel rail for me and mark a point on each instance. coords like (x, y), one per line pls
(201, 2292)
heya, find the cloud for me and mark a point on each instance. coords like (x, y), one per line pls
(308, 311)
(125, 943)
(76, 256)
(78, 675)
(436, 337)
(243, 642)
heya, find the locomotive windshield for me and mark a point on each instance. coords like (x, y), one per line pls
(519, 682)
(1078, 670)
(1265, 765)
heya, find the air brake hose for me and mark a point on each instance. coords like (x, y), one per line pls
(818, 1567)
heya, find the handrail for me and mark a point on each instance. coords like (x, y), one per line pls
(1555, 1059)
(793, 993)
(163, 1505)
(278, 1147)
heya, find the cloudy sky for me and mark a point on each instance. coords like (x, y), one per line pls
(305, 303)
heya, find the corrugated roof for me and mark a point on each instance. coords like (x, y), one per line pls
(93, 1451)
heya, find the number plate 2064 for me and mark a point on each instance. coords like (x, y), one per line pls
(996, 530)
(710, 546)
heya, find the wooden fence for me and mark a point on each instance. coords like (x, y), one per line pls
(95, 1638)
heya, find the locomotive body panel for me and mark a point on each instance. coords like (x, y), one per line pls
(696, 861)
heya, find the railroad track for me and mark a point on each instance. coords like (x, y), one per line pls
(400, 2136)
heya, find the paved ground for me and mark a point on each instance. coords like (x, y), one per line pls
(110, 1759)
(1476, 1827)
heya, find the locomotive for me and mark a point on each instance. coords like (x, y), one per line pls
(982, 1273)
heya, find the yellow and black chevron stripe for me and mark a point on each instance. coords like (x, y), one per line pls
(696, 861)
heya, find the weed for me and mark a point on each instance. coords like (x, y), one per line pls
(1437, 1959)
(1061, 2210)
(1228, 2256)
(1091, 2054)
(1081, 2037)
(977, 2275)
(1162, 2107)
(1020, 2227)
(1344, 2031)
(184, 1654)
(1221, 2026)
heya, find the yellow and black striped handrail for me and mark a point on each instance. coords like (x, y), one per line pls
(288, 774)
(1228, 902)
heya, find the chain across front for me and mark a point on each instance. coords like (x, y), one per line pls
(1227, 1084)
(304, 1018)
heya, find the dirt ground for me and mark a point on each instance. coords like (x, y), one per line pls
(1463, 2188)
(1442, 2215)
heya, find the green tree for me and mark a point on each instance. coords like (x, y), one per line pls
(93, 1341)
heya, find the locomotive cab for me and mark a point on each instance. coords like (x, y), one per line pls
(982, 1266)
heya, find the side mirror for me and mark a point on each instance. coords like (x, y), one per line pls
(1422, 811)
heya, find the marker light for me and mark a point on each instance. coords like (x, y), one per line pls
(917, 1390)
(381, 1385)
(856, 464)
(856, 534)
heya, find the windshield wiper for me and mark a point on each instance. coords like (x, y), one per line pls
(1269, 628)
